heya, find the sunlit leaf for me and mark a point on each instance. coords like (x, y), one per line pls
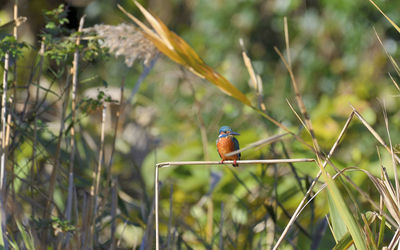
(173, 46)
(388, 18)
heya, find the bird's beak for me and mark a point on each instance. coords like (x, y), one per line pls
(234, 133)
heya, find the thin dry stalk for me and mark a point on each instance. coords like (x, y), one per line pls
(364, 194)
(96, 181)
(3, 155)
(299, 99)
(396, 179)
(114, 205)
(221, 228)
(375, 134)
(53, 176)
(210, 222)
(300, 102)
(255, 79)
(171, 191)
(109, 176)
(194, 163)
(395, 240)
(299, 207)
(249, 66)
(156, 177)
(85, 220)
(297, 116)
(117, 124)
(241, 162)
(286, 31)
(75, 66)
(12, 103)
(394, 82)
(392, 61)
(268, 140)
(4, 121)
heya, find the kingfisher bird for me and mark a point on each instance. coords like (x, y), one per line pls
(227, 143)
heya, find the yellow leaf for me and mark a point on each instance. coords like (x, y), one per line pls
(173, 46)
(390, 20)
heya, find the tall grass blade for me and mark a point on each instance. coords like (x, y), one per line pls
(344, 212)
(179, 51)
(339, 228)
(390, 20)
(27, 237)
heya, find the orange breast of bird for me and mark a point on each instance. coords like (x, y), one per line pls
(225, 145)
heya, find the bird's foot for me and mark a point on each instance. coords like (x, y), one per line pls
(221, 162)
(235, 164)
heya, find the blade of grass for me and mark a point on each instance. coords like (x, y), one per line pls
(381, 232)
(27, 237)
(368, 232)
(300, 102)
(339, 229)
(347, 217)
(303, 201)
(179, 51)
(394, 165)
(392, 61)
(286, 31)
(387, 18)
(374, 133)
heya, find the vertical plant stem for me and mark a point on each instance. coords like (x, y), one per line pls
(3, 215)
(114, 204)
(156, 206)
(117, 122)
(221, 228)
(286, 31)
(396, 178)
(75, 66)
(96, 181)
(170, 216)
(4, 121)
(109, 176)
(210, 213)
(53, 176)
(12, 103)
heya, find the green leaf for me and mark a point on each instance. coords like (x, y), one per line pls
(338, 226)
(26, 237)
(344, 212)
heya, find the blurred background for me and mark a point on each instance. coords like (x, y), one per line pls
(172, 115)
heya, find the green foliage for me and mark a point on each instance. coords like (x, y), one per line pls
(8, 44)
(55, 22)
